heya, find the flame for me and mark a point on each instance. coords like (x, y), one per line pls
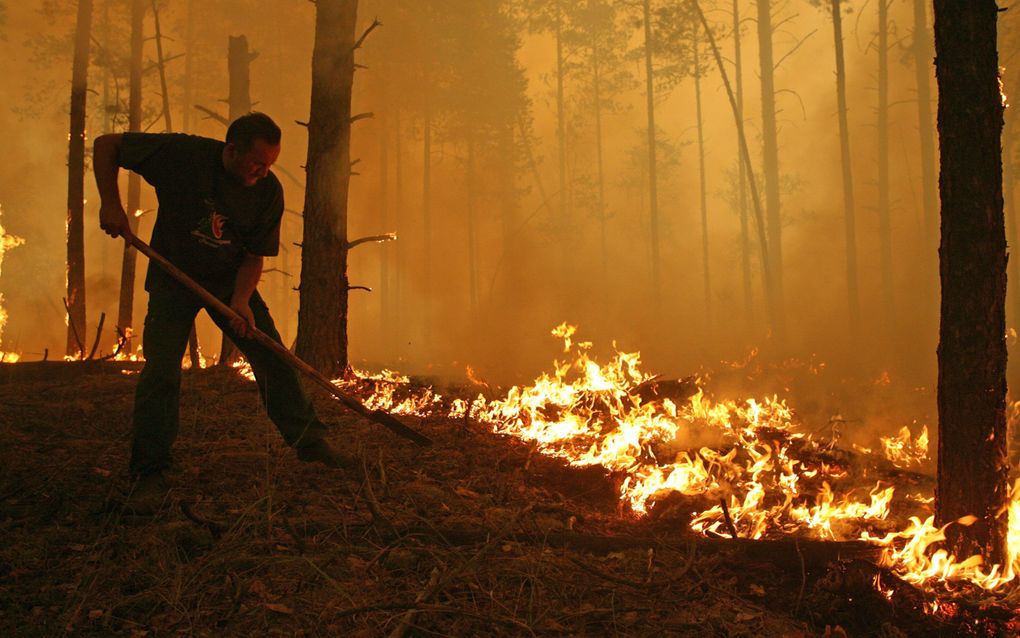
(592, 414)
(903, 451)
(7, 242)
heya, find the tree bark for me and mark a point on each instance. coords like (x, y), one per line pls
(125, 311)
(385, 318)
(561, 118)
(76, 181)
(770, 151)
(653, 194)
(972, 463)
(322, 316)
(426, 213)
(849, 206)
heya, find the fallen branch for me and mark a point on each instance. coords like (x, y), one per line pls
(213, 115)
(372, 238)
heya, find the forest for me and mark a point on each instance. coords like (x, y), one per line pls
(680, 316)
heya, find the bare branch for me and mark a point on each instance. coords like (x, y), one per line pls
(372, 27)
(373, 238)
(211, 114)
(365, 288)
(361, 116)
(791, 51)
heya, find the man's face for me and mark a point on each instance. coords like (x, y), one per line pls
(252, 165)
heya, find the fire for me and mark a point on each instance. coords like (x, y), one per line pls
(903, 451)
(6, 243)
(763, 477)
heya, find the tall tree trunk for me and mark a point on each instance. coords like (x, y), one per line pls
(884, 215)
(472, 230)
(426, 213)
(923, 69)
(239, 60)
(704, 189)
(849, 207)
(322, 317)
(653, 194)
(973, 467)
(770, 151)
(189, 60)
(125, 311)
(76, 183)
(1009, 177)
(385, 320)
(398, 216)
(775, 319)
(745, 234)
(601, 172)
(161, 66)
(561, 119)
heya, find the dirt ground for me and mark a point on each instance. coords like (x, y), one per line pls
(475, 536)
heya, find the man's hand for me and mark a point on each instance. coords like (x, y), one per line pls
(113, 220)
(245, 324)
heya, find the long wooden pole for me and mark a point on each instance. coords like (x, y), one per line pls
(380, 417)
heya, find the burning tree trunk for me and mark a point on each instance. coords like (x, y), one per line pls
(849, 207)
(239, 60)
(972, 461)
(770, 140)
(653, 195)
(76, 184)
(322, 316)
(125, 311)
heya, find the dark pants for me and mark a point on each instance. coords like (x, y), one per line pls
(167, 327)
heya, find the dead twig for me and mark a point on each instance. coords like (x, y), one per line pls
(216, 529)
(99, 333)
(730, 527)
(372, 27)
(375, 238)
(74, 330)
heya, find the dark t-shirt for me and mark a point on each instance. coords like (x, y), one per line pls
(207, 220)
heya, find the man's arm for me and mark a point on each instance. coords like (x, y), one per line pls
(248, 276)
(112, 218)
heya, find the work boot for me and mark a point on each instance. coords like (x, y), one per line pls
(147, 495)
(320, 451)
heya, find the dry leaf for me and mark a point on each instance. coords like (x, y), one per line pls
(278, 608)
(744, 617)
(76, 547)
(757, 590)
(95, 613)
(102, 472)
(466, 493)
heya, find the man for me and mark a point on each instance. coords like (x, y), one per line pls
(219, 216)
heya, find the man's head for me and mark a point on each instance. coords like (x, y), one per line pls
(253, 144)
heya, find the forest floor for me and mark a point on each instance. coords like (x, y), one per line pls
(475, 536)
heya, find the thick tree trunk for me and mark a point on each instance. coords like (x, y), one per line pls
(653, 194)
(972, 463)
(322, 317)
(923, 69)
(704, 189)
(125, 311)
(239, 60)
(884, 214)
(770, 151)
(745, 231)
(76, 184)
(849, 206)
(385, 319)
